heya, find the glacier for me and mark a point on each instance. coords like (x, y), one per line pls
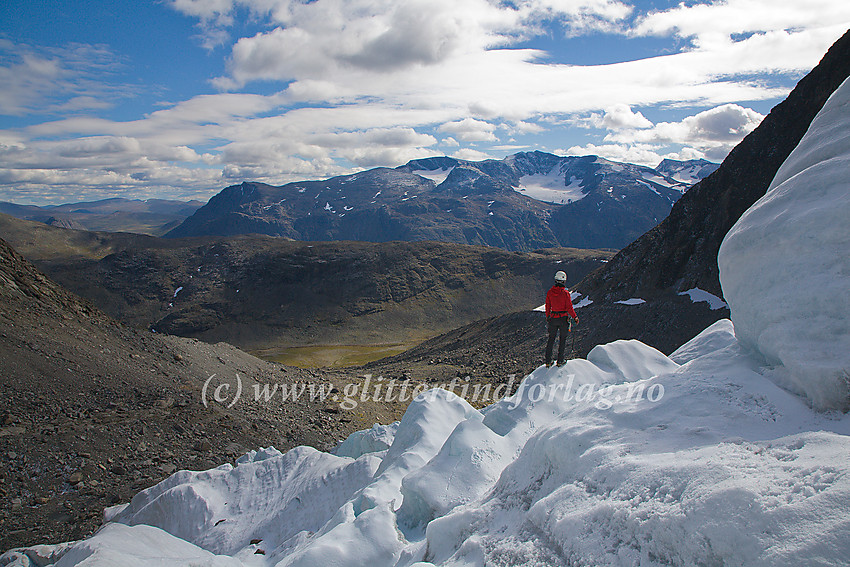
(730, 451)
(797, 234)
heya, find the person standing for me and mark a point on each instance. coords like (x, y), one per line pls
(559, 308)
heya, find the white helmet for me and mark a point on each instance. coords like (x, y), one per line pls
(560, 277)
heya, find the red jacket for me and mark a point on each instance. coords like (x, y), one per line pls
(559, 303)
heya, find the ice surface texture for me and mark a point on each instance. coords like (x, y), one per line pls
(785, 265)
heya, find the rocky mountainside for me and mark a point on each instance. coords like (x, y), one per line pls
(524, 202)
(92, 411)
(641, 292)
(261, 292)
(150, 216)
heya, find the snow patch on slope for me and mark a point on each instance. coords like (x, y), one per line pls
(435, 175)
(657, 179)
(551, 187)
(696, 294)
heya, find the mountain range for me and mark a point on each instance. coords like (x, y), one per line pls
(524, 202)
(149, 216)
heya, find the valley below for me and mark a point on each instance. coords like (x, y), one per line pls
(264, 294)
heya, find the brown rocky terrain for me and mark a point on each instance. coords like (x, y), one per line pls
(92, 411)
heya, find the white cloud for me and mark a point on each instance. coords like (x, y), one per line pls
(713, 132)
(56, 80)
(381, 156)
(523, 127)
(582, 16)
(315, 40)
(312, 38)
(620, 116)
(642, 154)
(470, 130)
(385, 137)
(206, 10)
(707, 23)
(470, 154)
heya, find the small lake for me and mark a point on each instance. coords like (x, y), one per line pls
(330, 356)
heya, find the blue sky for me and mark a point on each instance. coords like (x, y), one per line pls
(180, 98)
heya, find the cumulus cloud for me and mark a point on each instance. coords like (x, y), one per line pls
(470, 130)
(385, 137)
(471, 154)
(713, 132)
(736, 20)
(381, 35)
(314, 40)
(620, 117)
(378, 156)
(709, 134)
(582, 16)
(641, 154)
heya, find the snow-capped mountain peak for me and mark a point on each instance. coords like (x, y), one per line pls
(689, 171)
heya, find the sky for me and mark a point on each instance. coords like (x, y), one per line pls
(179, 99)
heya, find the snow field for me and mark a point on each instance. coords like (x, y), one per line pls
(725, 468)
(435, 175)
(551, 187)
(696, 294)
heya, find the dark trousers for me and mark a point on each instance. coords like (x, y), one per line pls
(555, 325)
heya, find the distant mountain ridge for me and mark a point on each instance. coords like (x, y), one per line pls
(149, 216)
(525, 202)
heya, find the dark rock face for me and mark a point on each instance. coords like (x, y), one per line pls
(681, 252)
(589, 202)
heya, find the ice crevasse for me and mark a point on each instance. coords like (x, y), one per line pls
(724, 453)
